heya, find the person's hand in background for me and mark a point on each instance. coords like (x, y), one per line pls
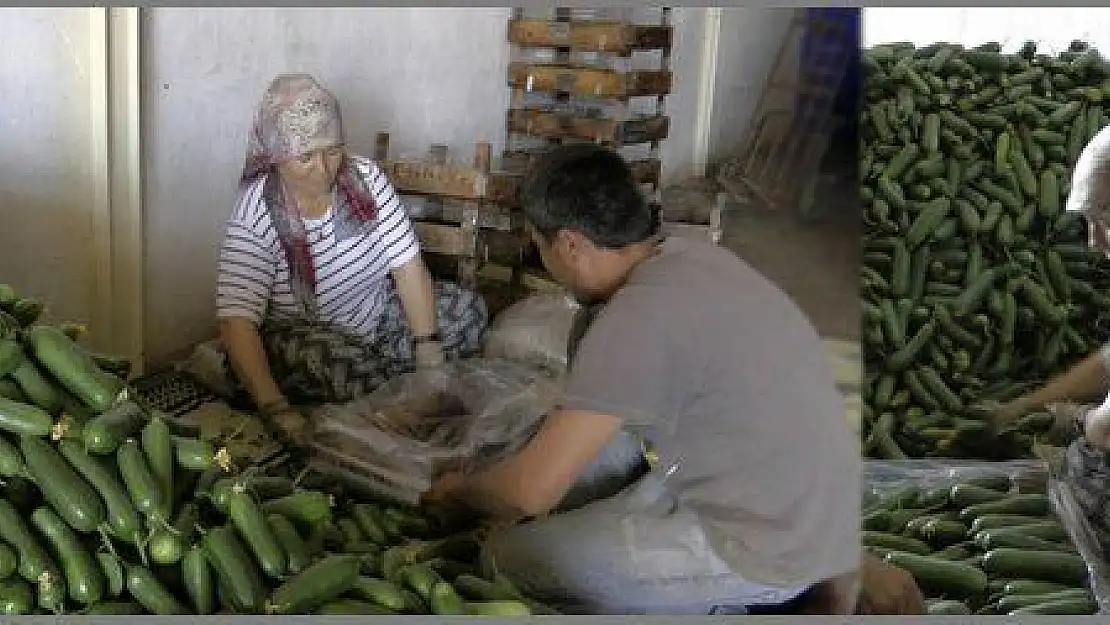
(1002, 415)
(1098, 234)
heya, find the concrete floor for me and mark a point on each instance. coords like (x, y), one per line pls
(815, 261)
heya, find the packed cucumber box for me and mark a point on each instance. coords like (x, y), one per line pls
(976, 286)
(109, 507)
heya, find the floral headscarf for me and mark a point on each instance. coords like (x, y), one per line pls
(295, 117)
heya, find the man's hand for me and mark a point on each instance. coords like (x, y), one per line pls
(443, 488)
(442, 504)
(887, 589)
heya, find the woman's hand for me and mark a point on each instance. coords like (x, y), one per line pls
(291, 424)
(428, 355)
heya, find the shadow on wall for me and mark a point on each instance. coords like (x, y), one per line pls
(46, 251)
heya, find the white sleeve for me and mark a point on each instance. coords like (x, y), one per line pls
(398, 237)
(1090, 186)
(247, 267)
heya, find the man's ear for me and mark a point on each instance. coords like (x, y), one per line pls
(573, 242)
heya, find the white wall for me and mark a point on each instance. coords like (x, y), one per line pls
(425, 75)
(46, 155)
(749, 42)
(1053, 27)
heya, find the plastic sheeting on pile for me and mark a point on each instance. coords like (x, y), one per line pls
(881, 477)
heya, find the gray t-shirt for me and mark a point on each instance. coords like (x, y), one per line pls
(725, 376)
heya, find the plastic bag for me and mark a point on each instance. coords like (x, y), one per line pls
(402, 436)
(535, 330)
(1088, 527)
(884, 477)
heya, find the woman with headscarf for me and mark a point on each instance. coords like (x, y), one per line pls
(322, 292)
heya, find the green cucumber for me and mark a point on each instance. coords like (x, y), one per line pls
(112, 569)
(939, 577)
(297, 554)
(62, 487)
(1028, 504)
(316, 585)
(235, 569)
(308, 510)
(351, 607)
(143, 488)
(149, 592)
(247, 517)
(16, 597)
(158, 449)
(114, 608)
(444, 600)
(11, 460)
(9, 561)
(197, 576)
(384, 593)
(105, 433)
(34, 560)
(498, 608)
(83, 577)
(123, 521)
(1049, 566)
(24, 419)
(73, 367)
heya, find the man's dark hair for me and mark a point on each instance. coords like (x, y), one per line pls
(589, 189)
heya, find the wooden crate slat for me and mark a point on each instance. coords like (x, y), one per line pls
(444, 239)
(646, 171)
(588, 82)
(500, 247)
(610, 132)
(607, 37)
(467, 183)
(453, 212)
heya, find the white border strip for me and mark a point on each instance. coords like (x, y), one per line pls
(707, 79)
(125, 166)
(100, 321)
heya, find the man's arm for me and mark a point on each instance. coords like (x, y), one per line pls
(533, 481)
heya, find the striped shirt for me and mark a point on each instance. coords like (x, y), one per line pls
(351, 275)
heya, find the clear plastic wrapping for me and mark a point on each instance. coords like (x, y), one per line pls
(406, 433)
(535, 331)
(1089, 531)
(882, 477)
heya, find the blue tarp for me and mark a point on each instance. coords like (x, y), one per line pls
(823, 53)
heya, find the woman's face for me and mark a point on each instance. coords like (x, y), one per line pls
(313, 172)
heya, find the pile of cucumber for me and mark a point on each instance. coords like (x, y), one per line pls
(108, 507)
(976, 284)
(980, 545)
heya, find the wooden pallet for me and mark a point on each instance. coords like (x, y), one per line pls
(474, 195)
(617, 38)
(608, 132)
(589, 82)
(646, 171)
